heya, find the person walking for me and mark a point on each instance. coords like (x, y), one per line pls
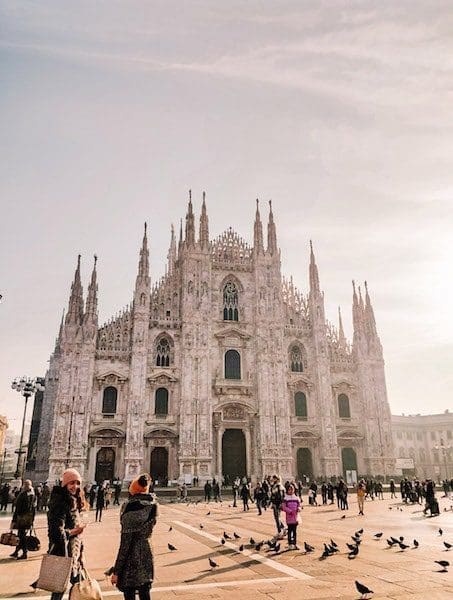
(4, 497)
(291, 507)
(107, 496)
(217, 491)
(92, 495)
(258, 497)
(245, 496)
(207, 491)
(235, 488)
(65, 527)
(45, 496)
(277, 495)
(361, 492)
(116, 498)
(23, 517)
(134, 566)
(100, 503)
(392, 489)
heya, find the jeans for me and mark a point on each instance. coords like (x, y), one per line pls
(292, 534)
(22, 545)
(143, 592)
(278, 522)
(99, 512)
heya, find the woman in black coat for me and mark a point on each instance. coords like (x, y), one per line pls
(134, 567)
(23, 517)
(64, 523)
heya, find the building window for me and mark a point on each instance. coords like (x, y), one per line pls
(344, 410)
(295, 359)
(409, 435)
(163, 353)
(399, 435)
(161, 402)
(109, 399)
(230, 302)
(433, 435)
(300, 404)
(419, 435)
(232, 364)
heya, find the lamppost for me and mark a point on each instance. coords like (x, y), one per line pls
(3, 465)
(444, 449)
(26, 386)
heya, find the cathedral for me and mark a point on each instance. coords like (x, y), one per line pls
(221, 367)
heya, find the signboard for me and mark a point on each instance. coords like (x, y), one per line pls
(351, 477)
(405, 463)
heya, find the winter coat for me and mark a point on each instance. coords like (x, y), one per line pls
(63, 516)
(277, 494)
(134, 564)
(24, 510)
(291, 507)
(100, 498)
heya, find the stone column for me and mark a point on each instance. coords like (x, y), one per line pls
(248, 450)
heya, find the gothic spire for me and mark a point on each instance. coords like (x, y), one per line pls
(91, 311)
(369, 313)
(172, 252)
(314, 277)
(258, 242)
(190, 223)
(143, 263)
(75, 308)
(59, 338)
(204, 225)
(271, 233)
(341, 336)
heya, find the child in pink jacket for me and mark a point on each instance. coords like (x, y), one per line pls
(291, 507)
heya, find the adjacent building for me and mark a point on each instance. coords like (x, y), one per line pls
(220, 367)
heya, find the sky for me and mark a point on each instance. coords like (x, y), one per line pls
(340, 112)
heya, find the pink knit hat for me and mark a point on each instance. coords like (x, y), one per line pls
(70, 475)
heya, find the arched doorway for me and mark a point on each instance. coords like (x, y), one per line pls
(234, 463)
(105, 465)
(349, 459)
(304, 463)
(159, 465)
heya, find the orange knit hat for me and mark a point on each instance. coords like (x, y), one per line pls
(140, 485)
(70, 475)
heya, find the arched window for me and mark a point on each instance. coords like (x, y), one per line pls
(300, 404)
(232, 364)
(109, 399)
(230, 302)
(344, 410)
(295, 359)
(163, 353)
(161, 402)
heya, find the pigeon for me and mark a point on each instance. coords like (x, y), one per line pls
(362, 589)
(394, 540)
(443, 563)
(390, 508)
(308, 548)
(448, 546)
(226, 536)
(351, 547)
(390, 543)
(403, 546)
(252, 541)
(353, 553)
(333, 544)
(360, 531)
(208, 513)
(222, 541)
(271, 544)
(416, 544)
(201, 526)
(237, 537)
(401, 538)
(259, 546)
(170, 528)
(241, 547)
(277, 548)
(440, 531)
(212, 563)
(343, 517)
(378, 535)
(324, 555)
(171, 547)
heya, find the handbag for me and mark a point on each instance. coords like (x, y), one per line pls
(32, 541)
(55, 572)
(85, 589)
(9, 539)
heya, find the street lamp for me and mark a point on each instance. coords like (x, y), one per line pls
(444, 449)
(26, 386)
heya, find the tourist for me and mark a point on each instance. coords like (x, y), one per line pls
(291, 507)
(324, 492)
(100, 503)
(117, 493)
(361, 492)
(277, 496)
(216, 491)
(312, 493)
(235, 488)
(330, 491)
(207, 491)
(245, 495)
(379, 490)
(92, 496)
(23, 517)
(108, 496)
(392, 489)
(342, 491)
(259, 497)
(134, 567)
(4, 497)
(65, 525)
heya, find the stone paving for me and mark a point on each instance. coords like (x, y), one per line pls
(185, 573)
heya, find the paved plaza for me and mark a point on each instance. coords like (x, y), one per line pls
(185, 573)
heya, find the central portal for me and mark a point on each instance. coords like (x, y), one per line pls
(234, 463)
(159, 465)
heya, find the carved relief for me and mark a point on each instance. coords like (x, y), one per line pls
(233, 413)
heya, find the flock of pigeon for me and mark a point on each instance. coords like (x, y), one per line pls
(329, 549)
